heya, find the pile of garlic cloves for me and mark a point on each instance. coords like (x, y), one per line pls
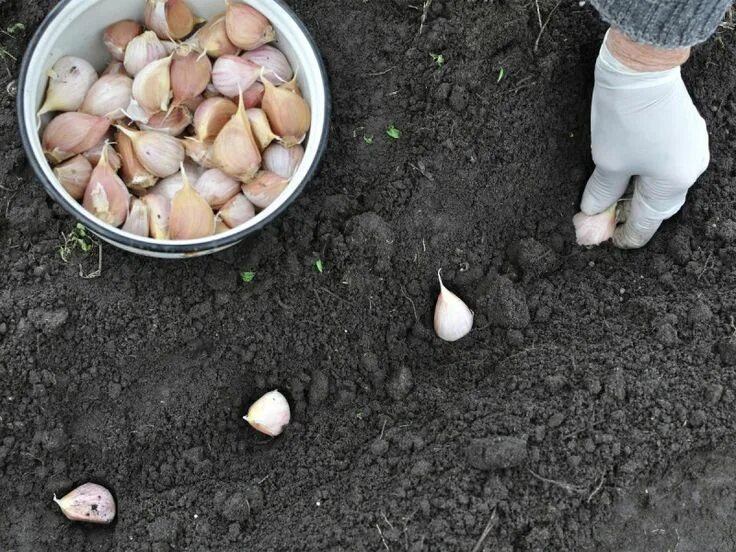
(193, 127)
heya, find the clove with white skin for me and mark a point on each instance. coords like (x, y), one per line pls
(90, 502)
(270, 414)
(595, 229)
(453, 319)
(69, 80)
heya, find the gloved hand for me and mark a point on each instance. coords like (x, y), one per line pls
(643, 126)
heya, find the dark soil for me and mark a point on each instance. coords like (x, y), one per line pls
(590, 409)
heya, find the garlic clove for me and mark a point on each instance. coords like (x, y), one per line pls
(276, 67)
(191, 215)
(160, 154)
(237, 211)
(74, 175)
(109, 97)
(216, 187)
(213, 39)
(106, 196)
(193, 103)
(152, 86)
(167, 187)
(263, 190)
(172, 19)
(93, 155)
(159, 213)
(283, 161)
(137, 221)
(135, 175)
(69, 80)
(247, 28)
(90, 502)
(270, 414)
(202, 153)
(72, 133)
(173, 122)
(452, 318)
(235, 150)
(191, 71)
(288, 113)
(115, 68)
(261, 128)
(118, 35)
(254, 95)
(231, 74)
(211, 116)
(141, 51)
(595, 229)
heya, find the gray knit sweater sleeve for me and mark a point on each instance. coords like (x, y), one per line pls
(664, 23)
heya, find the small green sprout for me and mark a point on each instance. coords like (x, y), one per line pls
(16, 28)
(319, 265)
(393, 132)
(248, 276)
(77, 239)
(368, 138)
(501, 75)
(439, 59)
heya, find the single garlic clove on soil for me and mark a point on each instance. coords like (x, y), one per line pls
(263, 190)
(191, 215)
(169, 19)
(274, 63)
(106, 196)
(213, 39)
(74, 175)
(270, 414)
(231, 74)
(235, 149)
(211, 116)
(288, 113)
(69, 80)
(142, 51)
(281, 160)
(237, 211)
(108, 97)
(216, 187)
(247, 28)
(159, 213)
(137, 221)
(69, 134)
(191, 71)
(90, 502)
(452, 318)
(595, 229)
(118, 35)
(160, 154)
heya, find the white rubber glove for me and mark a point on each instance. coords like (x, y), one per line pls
(643, 125)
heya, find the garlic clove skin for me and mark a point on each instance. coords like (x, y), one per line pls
(160, 154)
(283, 161)
(263, 190)
(69, 80)
(231, 74)
(108, 97)
(453, 319)
(72, 133)
(93, 155)
(173, 122)
(137, 221)
(74, 175)
(90, 502)
(106, 196)
(247, 28)
(191, 216)
(159, 213)
(260, 127)
(169, 19)
(596, 229)
(118, 35)
(235, 150)
(152, 86)
(135, 175)
(167, 187)
(141, 51)
(254, 95)
(216, 187)
(213, 39)
(220, 227)
(211, 116)
(276, 67)
(191, 71)
(270, 414)
(115, 68)
(288, 113)
(202, 153)
(237, 211)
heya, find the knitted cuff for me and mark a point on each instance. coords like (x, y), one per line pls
(664, 23)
